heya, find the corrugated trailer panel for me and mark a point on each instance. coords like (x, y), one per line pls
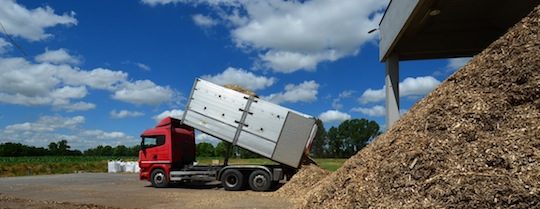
(262, 127)
(267, 119)
(214, 110)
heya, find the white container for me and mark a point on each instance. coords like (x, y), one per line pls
(262, 127)
(113, 167)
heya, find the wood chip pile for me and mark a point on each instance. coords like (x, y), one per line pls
(303, 181)
(474, 142)
(239, 88)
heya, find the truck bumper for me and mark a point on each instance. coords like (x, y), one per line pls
(144, 174)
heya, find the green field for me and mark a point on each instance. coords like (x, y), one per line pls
(22, 166)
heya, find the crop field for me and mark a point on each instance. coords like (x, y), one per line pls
(23, 166)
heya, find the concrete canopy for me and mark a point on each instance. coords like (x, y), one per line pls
(425, 29)
(428, 29)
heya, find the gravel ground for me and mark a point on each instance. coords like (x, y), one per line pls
(102, 190)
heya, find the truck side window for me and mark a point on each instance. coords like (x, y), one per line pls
(153, 141)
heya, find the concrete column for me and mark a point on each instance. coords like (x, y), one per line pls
(392, 90)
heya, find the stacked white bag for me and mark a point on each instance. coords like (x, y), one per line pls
(121, 166)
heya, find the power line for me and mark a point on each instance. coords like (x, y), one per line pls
(10, 39)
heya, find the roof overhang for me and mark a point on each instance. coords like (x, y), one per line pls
(426, 29)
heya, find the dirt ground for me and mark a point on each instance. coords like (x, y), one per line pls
(102, 190)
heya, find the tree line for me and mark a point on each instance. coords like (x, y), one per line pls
(342, 141)
(61, 148)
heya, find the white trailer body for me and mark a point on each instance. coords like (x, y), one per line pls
(270, 130)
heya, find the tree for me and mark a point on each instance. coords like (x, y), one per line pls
(244, 153)
(320, 141)
(120, 150)
(205, 149)
(351, 136)
(105, 150)
(335, 143)
(134, 151)
(357, 133)
(63, 147)
(221, 149)
(16, 149)
(53, 148)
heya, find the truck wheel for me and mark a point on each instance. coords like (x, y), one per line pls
(260, 181)
(159, 178)
(232, 180)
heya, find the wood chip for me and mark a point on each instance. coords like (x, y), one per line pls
(492, 103)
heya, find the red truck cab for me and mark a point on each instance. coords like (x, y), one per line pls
(168, 146)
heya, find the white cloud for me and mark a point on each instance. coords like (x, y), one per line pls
(288, 62)
(4, 46)
(304, 92)
(143, 66)
(204, 21)
(98, 78)
(124, 114)
(346, 94)
(195, 2)
(456, 63)
(49, 129)
(372, 95)
(140, 65)
(143, 92)
(334, 116)
(77, 106)
(336, 103)
(100, 134)
(202, 137)
(292, 35)
(162, 2)
(174, 113)
(296, 35)
(47, 124)
(375, 111)
(242, 78)
(418, 86)
(31, 24)
(26, 83)
(68, 92)
(63, 95)
(60, 56)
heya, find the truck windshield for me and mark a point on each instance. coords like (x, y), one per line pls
(152, 141)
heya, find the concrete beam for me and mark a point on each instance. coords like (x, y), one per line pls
(393, 23)
(392, 90)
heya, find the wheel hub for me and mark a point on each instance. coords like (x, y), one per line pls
(259, 180)
(231, 181)
(159, 178)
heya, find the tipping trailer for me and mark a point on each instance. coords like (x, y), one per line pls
(280, 134)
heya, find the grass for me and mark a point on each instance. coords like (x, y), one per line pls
(331, 164)
(23, 166)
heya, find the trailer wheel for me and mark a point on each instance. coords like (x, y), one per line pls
(159, 178)
(260, 180)
(232, 180)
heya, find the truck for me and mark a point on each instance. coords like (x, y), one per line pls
(168, 151)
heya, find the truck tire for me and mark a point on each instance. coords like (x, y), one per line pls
(232, 180)
(260, 180)
(159, 178)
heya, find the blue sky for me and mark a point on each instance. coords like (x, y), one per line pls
(100, 72)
